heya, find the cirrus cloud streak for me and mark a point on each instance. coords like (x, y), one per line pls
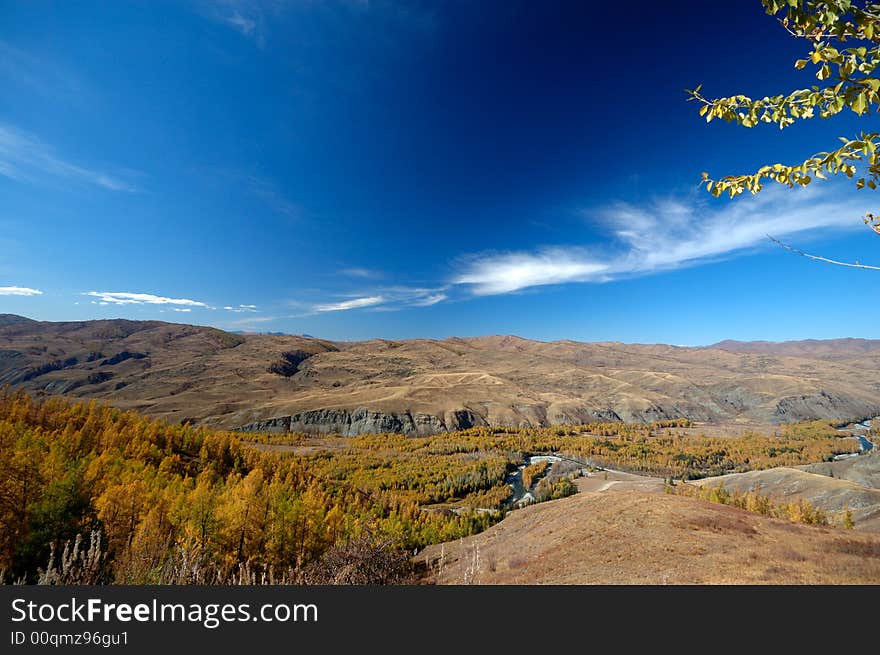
(354, 303)
(662, 235)
(25, 158)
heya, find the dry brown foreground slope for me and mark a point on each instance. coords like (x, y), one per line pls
(191, 373)
(629, 533)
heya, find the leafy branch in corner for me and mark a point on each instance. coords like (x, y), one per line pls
(844, 39)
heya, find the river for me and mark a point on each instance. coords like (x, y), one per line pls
(859, 432)
(520, 496)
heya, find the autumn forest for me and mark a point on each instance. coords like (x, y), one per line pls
(96, 494)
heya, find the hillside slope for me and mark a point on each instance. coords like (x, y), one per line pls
(864, 470)
(634, 537)
(831, 486)
(420, 386)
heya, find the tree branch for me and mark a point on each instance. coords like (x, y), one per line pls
(821, 259)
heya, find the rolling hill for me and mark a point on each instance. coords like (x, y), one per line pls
(627, 535)
(186, 373)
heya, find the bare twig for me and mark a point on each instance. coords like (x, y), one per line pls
(784, 23)
(821, 259)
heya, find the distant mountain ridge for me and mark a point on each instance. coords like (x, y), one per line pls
(815, 347)
(187, 373)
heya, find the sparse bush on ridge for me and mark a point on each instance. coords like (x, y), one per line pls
(798, 511)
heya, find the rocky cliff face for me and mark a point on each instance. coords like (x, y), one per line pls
(365, 421)
(349, 423)
(825, 405)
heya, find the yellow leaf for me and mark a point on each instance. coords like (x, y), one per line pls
(860, 104)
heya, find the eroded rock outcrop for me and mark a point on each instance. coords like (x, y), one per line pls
(350, 423)
(824, 405)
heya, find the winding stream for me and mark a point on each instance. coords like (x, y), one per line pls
(858, 431)
(520, 496)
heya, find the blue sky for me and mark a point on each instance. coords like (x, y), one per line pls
(359, 169)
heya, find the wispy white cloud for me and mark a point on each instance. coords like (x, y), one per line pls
(247, 17)
(663, 235)
(243, 24)
(181, 309)
(386, 24)
(272, 197)
(403, 296)
(355, 303)
(361, 272)
(25, 158)
(427, 301)
(126, 298)
(50, 77)
(506, 272)
(241, 309)
(387, 299)
(19, 291)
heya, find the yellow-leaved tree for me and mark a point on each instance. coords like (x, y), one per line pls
(844, 50)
